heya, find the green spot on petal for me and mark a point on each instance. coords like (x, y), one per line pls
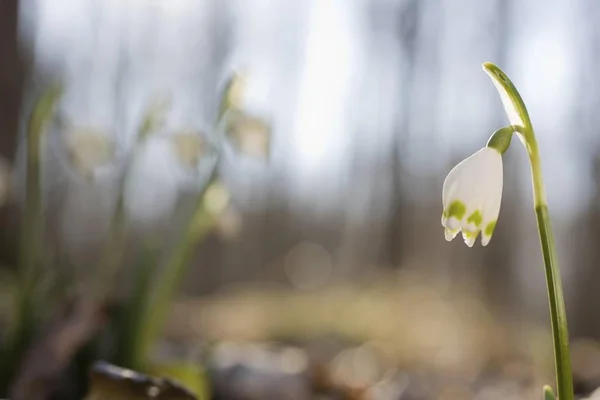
(475, 218)
(457, 210)
(489, 229)
(470, 235)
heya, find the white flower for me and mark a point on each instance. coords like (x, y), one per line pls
(250, 135)
(189, 147)
(88, 149)
(471, 196)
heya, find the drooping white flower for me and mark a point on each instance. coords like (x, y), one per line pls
(471, 197)
(249, 134)
(189, 147)
(88, 149)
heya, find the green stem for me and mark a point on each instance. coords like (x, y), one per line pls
(558, 315)
(110, 260)
(134, 309)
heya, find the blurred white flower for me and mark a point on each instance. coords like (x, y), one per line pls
(229, 224)
(250, 135)
(472, 194)
(216, 199)
(196, 154)
(234, 91)
(88, 149)
(189, 148)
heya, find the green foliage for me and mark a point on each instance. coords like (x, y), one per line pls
(131, 315)
(549, 393)
(189, 374)
(154, 306)
(21, 326)
(111, 382)
(133, 330)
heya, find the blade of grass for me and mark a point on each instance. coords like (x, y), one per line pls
(548, 393)
(133, 311)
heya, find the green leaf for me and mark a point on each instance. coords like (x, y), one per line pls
(189, 374)
(511, 99)
(131, 328)
(111, 382)
(210, 204)
(548, 393)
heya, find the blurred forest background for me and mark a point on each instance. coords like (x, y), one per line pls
(371, 102)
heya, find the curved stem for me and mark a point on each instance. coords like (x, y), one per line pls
(515, 108)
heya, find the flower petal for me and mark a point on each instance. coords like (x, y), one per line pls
(469, 237)
(472, 194)
(450, 234)
(486, 234)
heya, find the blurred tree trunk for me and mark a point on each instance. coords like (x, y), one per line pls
(12, 73)
(11, 77)
(407, 32)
